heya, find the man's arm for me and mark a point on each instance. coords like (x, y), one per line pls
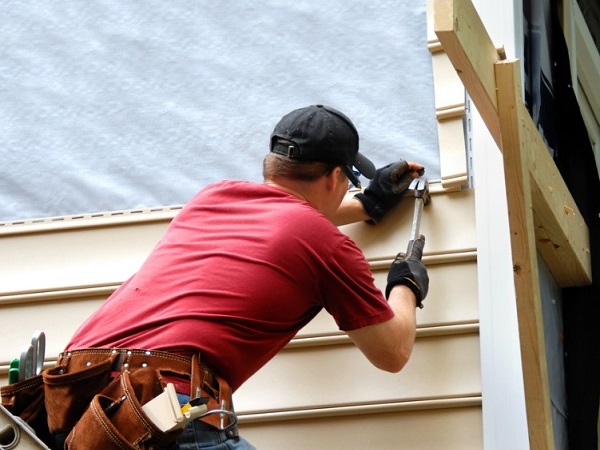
(383, 193)
(351, 210)
(388, 345)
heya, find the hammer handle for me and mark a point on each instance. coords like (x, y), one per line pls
(416, 225)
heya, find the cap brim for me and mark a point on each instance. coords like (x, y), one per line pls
(365, 166)
(351, 176)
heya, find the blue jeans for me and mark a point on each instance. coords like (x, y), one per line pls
(200, 435)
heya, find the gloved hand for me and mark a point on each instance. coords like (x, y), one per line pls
(410, 272)
(385, 190)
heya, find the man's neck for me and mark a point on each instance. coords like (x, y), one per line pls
(295, 191)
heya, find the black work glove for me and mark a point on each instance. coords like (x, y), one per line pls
(385, 190)
(410, 272)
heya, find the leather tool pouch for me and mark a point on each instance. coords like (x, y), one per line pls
(69, 394)
(79, 397)
(115, 419)
(25, 399)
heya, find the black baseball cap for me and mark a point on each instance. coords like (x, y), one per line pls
(321, 133)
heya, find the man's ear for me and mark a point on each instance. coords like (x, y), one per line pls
(334, 177)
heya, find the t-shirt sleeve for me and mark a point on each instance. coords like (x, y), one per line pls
(348, 290)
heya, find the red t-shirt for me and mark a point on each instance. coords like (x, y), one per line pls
(239, 271)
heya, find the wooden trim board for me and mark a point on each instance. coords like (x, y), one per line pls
(455, 24)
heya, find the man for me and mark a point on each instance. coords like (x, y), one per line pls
(244, 266)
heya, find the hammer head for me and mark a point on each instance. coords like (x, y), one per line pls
(420, 187)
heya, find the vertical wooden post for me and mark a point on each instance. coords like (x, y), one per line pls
(515, 139)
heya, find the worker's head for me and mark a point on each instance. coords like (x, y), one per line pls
(318, 134)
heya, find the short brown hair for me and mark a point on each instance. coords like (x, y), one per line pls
(279, 166)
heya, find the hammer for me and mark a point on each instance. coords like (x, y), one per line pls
(420, 187)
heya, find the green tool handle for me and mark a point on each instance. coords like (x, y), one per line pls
(13, 371)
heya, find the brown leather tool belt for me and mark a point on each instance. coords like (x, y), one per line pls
(185, 372)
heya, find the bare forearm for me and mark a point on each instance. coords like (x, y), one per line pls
(403, 303)
(351, 210)
(379, 192)
(388, 345)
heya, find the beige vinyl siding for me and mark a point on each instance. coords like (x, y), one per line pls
(448, 429)
(62, 271)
